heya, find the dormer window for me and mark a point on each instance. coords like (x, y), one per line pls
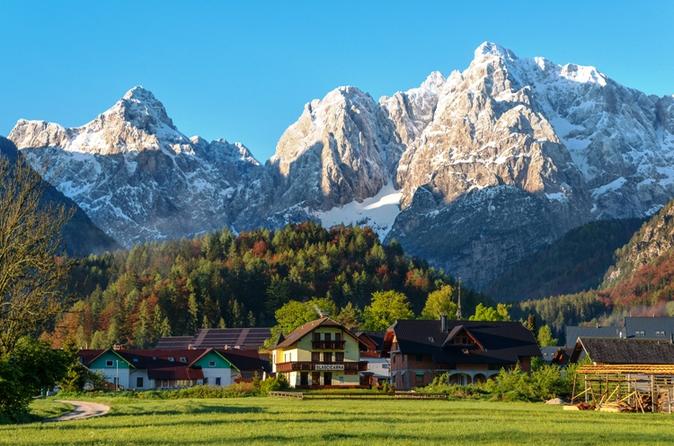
(640, 333)
(660, 333)
(183, 359)
(171, 359)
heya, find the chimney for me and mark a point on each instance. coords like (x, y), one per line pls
(443, 324)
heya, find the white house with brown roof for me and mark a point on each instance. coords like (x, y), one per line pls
(320, 353)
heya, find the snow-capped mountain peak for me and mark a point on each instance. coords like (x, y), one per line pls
(488, 50)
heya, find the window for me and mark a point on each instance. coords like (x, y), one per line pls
(327, 357)
(205, 381)
(338, 336)
(640, 333)
(660, 333)
(183, 359)
(211, 363)
(139, 382)
(218, 381)
(316, 336)
(171, 359)
(339, 356)
(108, 363)
(315, 357)
(327, 336)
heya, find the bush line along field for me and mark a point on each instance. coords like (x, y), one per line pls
(266, 421)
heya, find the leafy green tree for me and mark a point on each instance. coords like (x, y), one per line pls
(385, 308)
(486, 313)
(439, 303)
(29, 368)
(545, 338)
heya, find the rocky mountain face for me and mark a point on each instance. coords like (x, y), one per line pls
(473, 171)
(137, 176)
(80, 236)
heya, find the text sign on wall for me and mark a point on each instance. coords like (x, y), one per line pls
(329, 367)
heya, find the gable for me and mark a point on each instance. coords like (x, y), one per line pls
(213, 360)
(102, 361)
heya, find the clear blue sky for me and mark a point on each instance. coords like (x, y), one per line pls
(243, 70)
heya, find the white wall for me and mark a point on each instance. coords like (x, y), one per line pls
(111, 373)
(225, 375)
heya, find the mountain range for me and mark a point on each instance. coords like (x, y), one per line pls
(473, 171)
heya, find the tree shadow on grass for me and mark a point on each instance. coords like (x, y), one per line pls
(187, 410)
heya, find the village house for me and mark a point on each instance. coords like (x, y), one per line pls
(378, 370)
(320, 353)
(173, 368)
(468, 351)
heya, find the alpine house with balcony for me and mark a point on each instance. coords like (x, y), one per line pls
(468, 351)
(320, 353)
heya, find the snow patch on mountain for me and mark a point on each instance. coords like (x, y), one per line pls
(379, 211)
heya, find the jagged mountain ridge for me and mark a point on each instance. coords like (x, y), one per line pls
(473, 171)
(137, 176)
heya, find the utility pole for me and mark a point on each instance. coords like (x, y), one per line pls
(458, 301)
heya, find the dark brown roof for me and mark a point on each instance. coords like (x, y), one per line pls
(497, 342)
(244, 338)
(247, 360)
(626, 351)
(172, 342)
(307, 328)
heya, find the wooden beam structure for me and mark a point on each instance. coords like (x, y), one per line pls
(625, 387)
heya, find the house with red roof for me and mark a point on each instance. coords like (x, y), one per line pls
(173, 368)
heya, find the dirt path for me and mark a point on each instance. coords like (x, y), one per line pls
(82, 410)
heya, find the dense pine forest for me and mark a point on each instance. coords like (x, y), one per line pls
(226, 280)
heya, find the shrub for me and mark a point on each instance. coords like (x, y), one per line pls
(274, 383)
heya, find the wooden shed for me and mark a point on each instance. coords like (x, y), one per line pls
(624, 374)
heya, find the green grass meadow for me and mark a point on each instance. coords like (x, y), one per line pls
(265, 421)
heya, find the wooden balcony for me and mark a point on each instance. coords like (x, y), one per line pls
(327, 345)
(309, 366)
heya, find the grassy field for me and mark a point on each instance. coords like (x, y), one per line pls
(343, 422)
(42, 409)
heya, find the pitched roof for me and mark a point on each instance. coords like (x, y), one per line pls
(247, 360)
(307, 328)
(626, 351)
(497, 342)
(244, 338)
(652, 327)
(573, 332)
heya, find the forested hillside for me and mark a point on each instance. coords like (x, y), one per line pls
(578, 261)
(221, 279)
(640, 282)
